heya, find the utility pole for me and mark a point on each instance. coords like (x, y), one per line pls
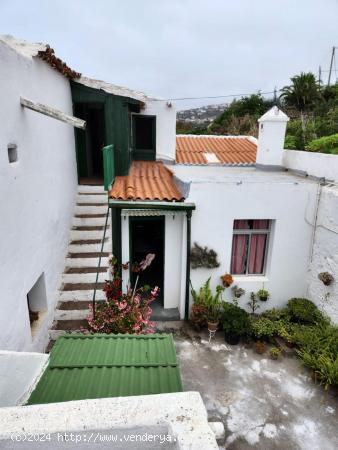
(320, 75)
(331, 64)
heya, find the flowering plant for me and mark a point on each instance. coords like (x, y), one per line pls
(227, 280)
(124, 312)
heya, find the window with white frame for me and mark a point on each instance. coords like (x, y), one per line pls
(250, 243)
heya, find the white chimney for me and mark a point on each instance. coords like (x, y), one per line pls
(271, 135)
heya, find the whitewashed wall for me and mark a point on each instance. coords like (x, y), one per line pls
(325, 253)
(37, 193)
(165, 128)
(225, 194)
(19, 373)
(319, 165)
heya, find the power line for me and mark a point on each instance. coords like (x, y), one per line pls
(218, 96)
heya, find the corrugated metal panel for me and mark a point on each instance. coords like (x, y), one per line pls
(236, 150)
(98, 366)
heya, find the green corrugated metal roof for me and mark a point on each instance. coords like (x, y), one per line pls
(97, 366)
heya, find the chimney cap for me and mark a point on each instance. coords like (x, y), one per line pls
(274, 115)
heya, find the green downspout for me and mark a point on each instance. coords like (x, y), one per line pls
(187, 279)
(116, 233)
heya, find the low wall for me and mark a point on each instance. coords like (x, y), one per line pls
(319, 165)
(325, 254)
(19, 372)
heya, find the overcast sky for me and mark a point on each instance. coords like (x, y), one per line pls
(182, 48)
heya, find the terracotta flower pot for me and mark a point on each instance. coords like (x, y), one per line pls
(212, 326)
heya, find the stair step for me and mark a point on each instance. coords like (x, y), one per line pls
(90, 187)
(92, 193)
(84, 277)
(81, 296)
(87, 241)
(92, 199)
(71, 306)
(91, 204)
(88, 227)
(88, 255)
(86, 269)
(91, 209)
(71, 314)
(89, 248)
(78, 223)
(89, 216)
(79, 263)
(82, 286)
(70, 325)
(94, 235)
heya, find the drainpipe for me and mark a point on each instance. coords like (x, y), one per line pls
(116, 233)
(187, 280)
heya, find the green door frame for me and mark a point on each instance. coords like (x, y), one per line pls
(146, 218)
(144, 154)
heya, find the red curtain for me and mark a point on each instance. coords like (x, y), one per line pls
(239, 252)
(257, 247)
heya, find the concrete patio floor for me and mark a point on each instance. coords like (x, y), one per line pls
(264, 404)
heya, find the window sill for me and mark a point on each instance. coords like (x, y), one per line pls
(250, 278)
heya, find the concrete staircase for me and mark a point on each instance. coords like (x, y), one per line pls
(78, 279)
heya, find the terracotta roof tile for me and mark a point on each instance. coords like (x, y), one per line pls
(191, 149)
(147, 180)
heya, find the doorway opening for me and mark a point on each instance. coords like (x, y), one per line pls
(89, 142)
(147, 236)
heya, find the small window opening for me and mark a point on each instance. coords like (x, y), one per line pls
(12, 153)
(37, 300)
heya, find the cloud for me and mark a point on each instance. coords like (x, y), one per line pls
(182, 48)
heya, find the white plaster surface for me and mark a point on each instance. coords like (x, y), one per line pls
(223, 194)
(184, 413)
(165, 128)
(318, 165)
(19, 372)
(271, 134)
(325, 254)
(37, 193)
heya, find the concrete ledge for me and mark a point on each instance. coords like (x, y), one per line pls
(183, 414)
(19, 372)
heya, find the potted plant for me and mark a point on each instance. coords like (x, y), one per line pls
(326, 278)
(227, 280)
(235, 323)
(274, 353)
(260, 347)
(263, 295)
(213, 304)
(207, 304)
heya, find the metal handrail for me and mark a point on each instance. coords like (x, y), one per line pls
(98, 267)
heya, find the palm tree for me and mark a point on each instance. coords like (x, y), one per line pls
(302, 93)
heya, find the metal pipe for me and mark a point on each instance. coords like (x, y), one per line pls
(187, 279)
(98, 267)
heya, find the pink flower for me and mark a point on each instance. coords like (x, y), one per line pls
(122, 305)
(147, 261)
(155, 291)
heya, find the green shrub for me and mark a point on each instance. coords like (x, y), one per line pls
(325, 144)
(262, 327)
(291, 142)
(235, 319)
(318, 349)
(275, 314)
(302, 310)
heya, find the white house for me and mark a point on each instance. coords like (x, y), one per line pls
(268, 213)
